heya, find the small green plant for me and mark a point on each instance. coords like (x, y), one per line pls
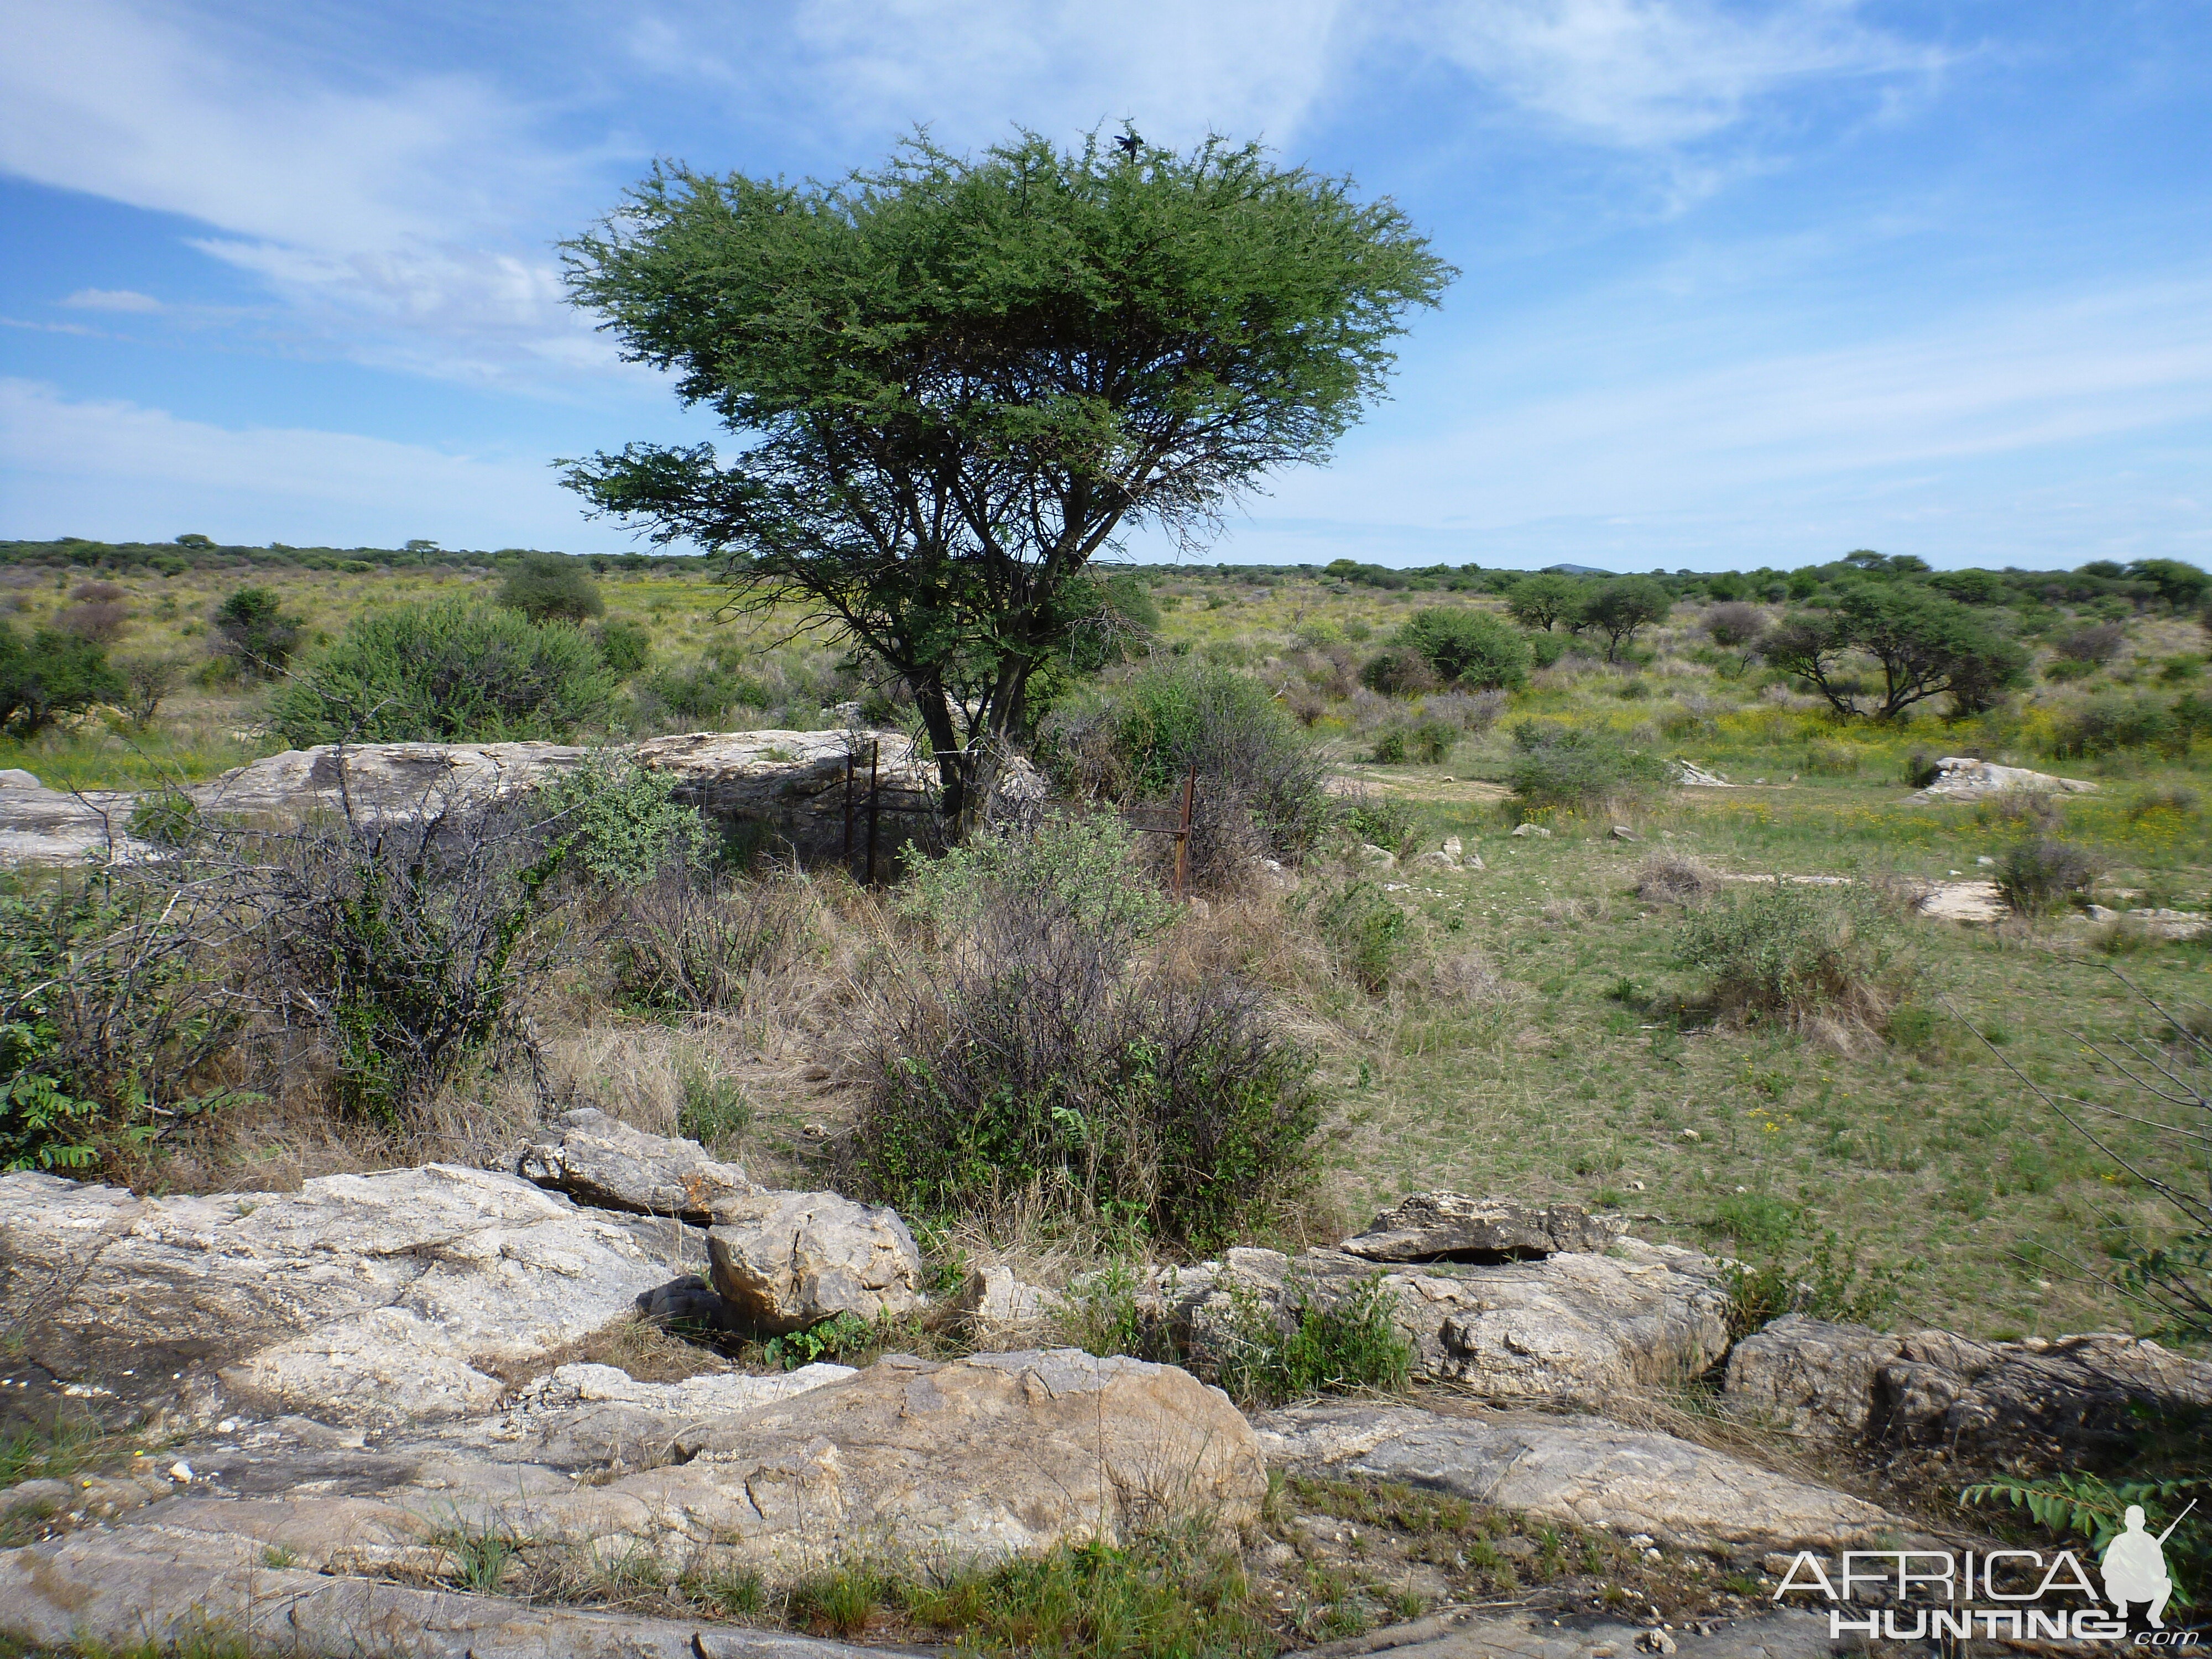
(728, 1592)
(841, 1337)
(1914, 1030)
(477, 1556)
(841, 1601)
(1390, 746)
(551, 587)
(168, 817)
(1369, 931)
(1798, 955)
(1580, 770)
(714, 1111)
(1314, 1344)
(1827, 1281)
(2094, 1508)
(1383, 821)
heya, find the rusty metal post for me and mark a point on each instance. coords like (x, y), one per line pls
(873, 750)
(1182, 834)
(849, 758)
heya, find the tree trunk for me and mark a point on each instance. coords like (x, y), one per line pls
(945, 739)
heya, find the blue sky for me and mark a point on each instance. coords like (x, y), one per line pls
(1743, 284)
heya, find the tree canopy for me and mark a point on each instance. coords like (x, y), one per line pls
(959, 380)
(1923, 644)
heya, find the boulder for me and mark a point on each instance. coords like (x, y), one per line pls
(1467, 1633)
(604, 1161)
(1524, 831)
(2161, 923)
(2055, 1402)
(1377, 858)
(783, 1261)
(1452, 1227)
(1690, 775)
(997, 1303)
(15, 777)
(1585, 1471)
(1574, 1329)
(1959, 777)
(690, 1299)
(373, 1298)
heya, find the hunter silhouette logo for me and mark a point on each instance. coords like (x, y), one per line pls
(2134, 1566)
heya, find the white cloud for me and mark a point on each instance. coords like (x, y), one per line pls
(398, 220)
(1641, 73)
(974, 70)
(112, 299)
(2047, 422)
(113, 468)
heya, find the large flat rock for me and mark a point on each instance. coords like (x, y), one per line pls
(1782, 1633)
(1585, 1471)
(1960, 777)
(977, 1461)
(41, 826)
(371, 1299)
(161, 1586)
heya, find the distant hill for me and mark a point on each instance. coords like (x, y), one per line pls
(1574, 570)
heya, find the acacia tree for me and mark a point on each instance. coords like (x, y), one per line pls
(959, 380)
(1925, 645)
(1619, 609)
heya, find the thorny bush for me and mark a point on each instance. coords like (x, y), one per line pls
(1040, 1053)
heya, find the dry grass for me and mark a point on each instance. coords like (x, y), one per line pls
(1668, 878)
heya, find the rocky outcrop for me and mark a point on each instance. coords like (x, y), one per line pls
(2159, 922)
(988, 1457)
(1584, 1471)
(790, 783)
(782, 1260)
(1572, 1329)
(49, 826)
(163, 1588)
(1452, 1227)
(1975, 902)
(373, 1298)
(603, 1161)
(2059, 1402)
(1959, 777)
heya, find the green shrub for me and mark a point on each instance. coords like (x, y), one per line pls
(1545, 649)
(1827, 1282)
(1381, 821)
(446, 672)
(2093, 1508)
(50, 675)
(2041, 874)
(1082, 865)
(699, 940)
(407, 945)
(1400, 671)
(2107, 725)
(1368, 932)
(1580, 770)
(1039, 1055)
(1314, 1345)
(1390, 746)
(1797, 954)
(1833, 760)
(1261, 783)
(253, 634)
(111, 1018)
(1471, 648)
(625, 647)
(550, 588)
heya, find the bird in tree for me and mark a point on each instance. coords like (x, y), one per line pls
(959, 380)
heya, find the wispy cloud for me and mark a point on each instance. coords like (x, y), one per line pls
(1638, 74)
(112, 299)
(401, 220)
(973, 71)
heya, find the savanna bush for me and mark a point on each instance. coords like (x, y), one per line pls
(1261, 783)
(1803, 956)
(551, 587)
(2107, 725)
(1473, 649)
(447, 673)
(2042, 874)
(1040, 1053)
(49, 675)
(1579, 769)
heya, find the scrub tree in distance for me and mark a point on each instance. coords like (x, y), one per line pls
(957, 380)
